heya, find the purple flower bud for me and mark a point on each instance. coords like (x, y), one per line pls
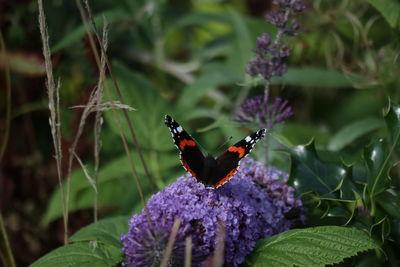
(262, 112)
(263, 44)
(270, 53)
(277, 18)
(253, 205)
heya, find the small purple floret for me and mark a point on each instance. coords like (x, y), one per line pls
(271, 52)
(252, 205)
(263, 112)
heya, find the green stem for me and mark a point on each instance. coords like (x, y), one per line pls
(7, 99)
(11, 261)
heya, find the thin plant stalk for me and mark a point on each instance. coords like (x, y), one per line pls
(170, 245)
(116, 117)
(218, 259)
(9, 257)
(54, 106)
(98, 123)
(116, 86)
(188, 251)
(93, 102)
(9, 254)
(7, 99)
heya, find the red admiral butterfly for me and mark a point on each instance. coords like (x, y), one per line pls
(213, 172)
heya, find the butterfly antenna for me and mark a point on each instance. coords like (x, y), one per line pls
(224, 143)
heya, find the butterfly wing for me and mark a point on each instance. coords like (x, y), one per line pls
(229, 161)
(190, 155)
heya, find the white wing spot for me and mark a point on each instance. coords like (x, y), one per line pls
(247, 139)
(179, 129)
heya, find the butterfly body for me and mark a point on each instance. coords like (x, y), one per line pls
(211, 171)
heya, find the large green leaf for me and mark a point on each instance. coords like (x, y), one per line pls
(390, 202)
(309, 173)
(377, 160)
(81, 254)
(242, 45)
(310, 247)
(300, 133)
(197, 18)
(107, 231)
(352, 131)
(211, 79)
(390, 10)
(148, 121)
(29, 64)
(115, 185)
(314, 77)
(72, 37)
(392, 119)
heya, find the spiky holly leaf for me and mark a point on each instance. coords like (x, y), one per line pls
(309, 173)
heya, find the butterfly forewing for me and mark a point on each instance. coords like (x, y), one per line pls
(190, 155)
(229, 161)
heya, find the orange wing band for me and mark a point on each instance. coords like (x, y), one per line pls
(239, 150)
(186, 142)
(227, 178)
(188, 169)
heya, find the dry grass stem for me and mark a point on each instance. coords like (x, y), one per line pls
(86, 172)
(218, 258)
(94, 98)
(7, 258)
(106, 106)
(116, 86)
(54, 106)
(117, 119)
(7, 99)
(99, 119)
(170, 244)
(188, 252)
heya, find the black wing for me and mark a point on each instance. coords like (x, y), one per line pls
(229, 161)
(190, 155)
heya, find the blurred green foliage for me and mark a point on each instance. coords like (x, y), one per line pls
(187, 59)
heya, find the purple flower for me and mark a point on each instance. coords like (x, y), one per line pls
(260, 111)
(253, 205)
(270, 55)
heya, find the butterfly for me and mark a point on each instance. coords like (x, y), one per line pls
(212, 172)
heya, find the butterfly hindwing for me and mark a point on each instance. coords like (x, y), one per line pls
(229, 161)
(190, 155)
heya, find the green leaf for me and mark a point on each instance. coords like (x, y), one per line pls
(390, 202)
(210, 80)
(29, 64)
(73, 36)
(242, 45)
(300, 133)
(377, 160)
(392, 119)
(313, 77)
(107, 231)
(197, 18)
(310, 247)
(81, 254)
(352, 131)
(309, 173)
(148, 121)
(390, 10)
(115, 185)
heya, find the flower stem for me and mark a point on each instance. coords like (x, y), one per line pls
(4, 236)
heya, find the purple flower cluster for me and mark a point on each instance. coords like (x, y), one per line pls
(270, 54)
(260, 111)
(253, 205)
